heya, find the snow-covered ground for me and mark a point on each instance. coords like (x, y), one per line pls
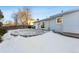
(48, 42)
(26, 32)
(22, 32)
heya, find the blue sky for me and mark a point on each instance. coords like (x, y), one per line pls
(40, 12)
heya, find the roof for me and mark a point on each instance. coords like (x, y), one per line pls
(58, 15)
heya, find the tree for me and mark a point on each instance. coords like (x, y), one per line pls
(1, 24)
(15, 18)
(2, 31)
(1, 16)
(23, 16)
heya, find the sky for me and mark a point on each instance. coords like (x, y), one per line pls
(40, 12)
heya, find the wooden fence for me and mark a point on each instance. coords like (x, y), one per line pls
(15, 27)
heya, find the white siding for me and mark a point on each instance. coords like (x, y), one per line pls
(52, 24)
(71, 23)
(47, 25)
(36, 25)
(57, 27)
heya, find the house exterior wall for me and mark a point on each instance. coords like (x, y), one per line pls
(36, 25)
(46, 25)
(52, 24)
(71, 23)
(58, 27)
(49, 25)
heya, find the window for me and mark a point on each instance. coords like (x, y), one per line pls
(59, 20)
(43, 25)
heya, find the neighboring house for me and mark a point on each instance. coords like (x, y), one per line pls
(62, 22)
(42, 24)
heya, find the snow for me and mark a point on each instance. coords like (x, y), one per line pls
(26, 32)
(48, 42)
(23, 32)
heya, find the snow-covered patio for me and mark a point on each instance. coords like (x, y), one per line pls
(47, 43)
